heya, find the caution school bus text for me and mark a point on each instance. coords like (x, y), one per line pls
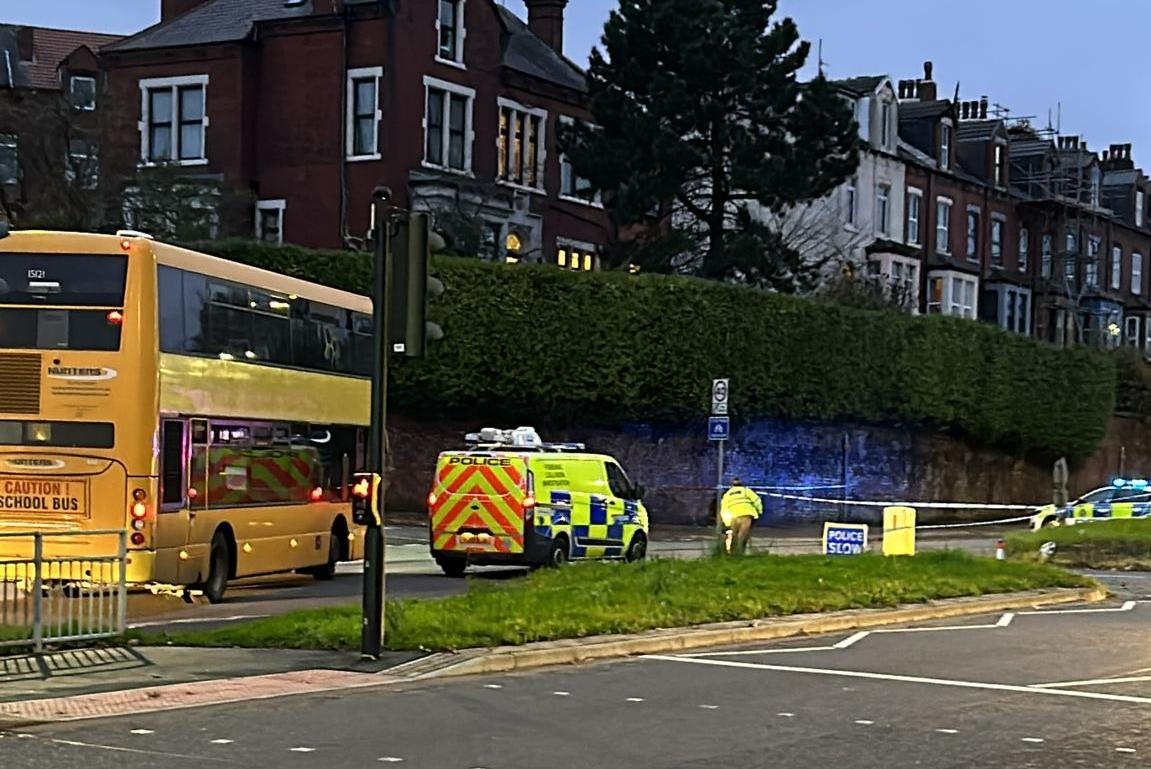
(23, 495)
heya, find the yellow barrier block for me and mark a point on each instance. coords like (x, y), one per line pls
(899, 531)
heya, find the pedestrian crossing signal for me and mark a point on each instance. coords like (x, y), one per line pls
(366, 499)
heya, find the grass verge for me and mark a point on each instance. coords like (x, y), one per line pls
(1114, 544)
(603, 598)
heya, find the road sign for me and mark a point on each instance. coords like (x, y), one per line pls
(719, 391)
(718, 428)
(844, 538)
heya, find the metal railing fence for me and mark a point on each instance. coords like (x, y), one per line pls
(51, 596)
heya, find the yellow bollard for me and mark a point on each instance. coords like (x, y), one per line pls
(899, 531)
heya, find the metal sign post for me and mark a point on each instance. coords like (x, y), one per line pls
(719, 430)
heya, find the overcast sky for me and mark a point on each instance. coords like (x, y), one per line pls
(1030, 56)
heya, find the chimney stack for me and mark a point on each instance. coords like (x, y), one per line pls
(170, 9)
(546, 20)
(927, 91)
(25, 43)
(983, 108)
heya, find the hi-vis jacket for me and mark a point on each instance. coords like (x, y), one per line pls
(738, 502)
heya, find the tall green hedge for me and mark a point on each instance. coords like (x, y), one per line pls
(541, 345)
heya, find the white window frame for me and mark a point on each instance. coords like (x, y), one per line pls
(973, 255)
(883, 208)
(1116, 266)
(1136, 273)
(596, 200)
(1131, 335)
(943, 225)
(469, 124)
(910, 280)
(914, 236)
(584, 248)
(280, 205)
(886, 114)
(361, 73)
(851, 190)
(999, 163)
(998, 223)
(946, 148)
(147, 85)
(1091, 274)
(541, 144)
(1140, 200)
(11, 142)
(1146, 336)
(72, 92)
(1023, 246)
(1006, 297)
(1046, 254)
(951, 278)
(461, 35)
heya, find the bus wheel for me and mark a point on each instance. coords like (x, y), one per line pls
(219, 559)
(453, 567)
(637, 550)
(559, 554)
(327, 571)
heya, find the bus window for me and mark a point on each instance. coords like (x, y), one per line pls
(172, 481)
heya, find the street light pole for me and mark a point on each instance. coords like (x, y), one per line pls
(371, 641)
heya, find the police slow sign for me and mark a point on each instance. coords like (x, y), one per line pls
(844, 538)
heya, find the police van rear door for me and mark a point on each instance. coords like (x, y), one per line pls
(477, 503)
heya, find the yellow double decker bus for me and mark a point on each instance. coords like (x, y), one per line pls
(215, 411)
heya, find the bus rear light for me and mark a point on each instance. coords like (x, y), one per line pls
(138, 524)
(139, 495)
(115, 317)
(192, 493)
(125, 244)
(137, 538)
(317, 494)
(139, 511)
(529, 503)
(432, 499)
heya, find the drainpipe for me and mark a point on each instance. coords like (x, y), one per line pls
(343, 137)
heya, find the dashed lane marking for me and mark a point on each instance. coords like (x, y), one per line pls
(1033, 740)
(141, 731)
(222, 742)
(635, 699)
(119, 749)
(786, 715)
(948, 731)
(302, 749)
(1124, 750)
(865, 722)
(908, 679)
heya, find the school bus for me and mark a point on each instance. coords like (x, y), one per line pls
(214, 410)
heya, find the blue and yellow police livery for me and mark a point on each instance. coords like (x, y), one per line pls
(1122, 499)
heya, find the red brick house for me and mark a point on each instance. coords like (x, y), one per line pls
(306, 106)
(51, 98)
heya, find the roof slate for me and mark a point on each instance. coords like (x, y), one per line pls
(526, 53)
(861, 85)
(50, 48)
(216, 21)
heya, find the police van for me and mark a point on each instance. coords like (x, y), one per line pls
(1122, 499)
(510, 498)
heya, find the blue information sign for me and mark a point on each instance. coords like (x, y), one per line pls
(718, 428)
(844, 538)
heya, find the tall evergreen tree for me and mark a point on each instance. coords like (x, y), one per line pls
(701, 126)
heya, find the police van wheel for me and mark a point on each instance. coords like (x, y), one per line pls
(219, 566)
(559, 554)
(453, 567)
(637, 550)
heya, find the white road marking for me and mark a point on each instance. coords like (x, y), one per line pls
(118, 749)
(222, 742)
(1033, 740)
(1093, 682)
(908, 679)
(635, 699)
(948, 731)
(1124, 750)
(493, 686)
(865, 722)
(562, 694)
(196, 620)
(709, 707)
(390, 759)
(302, 750)
(1127, 606)
(786, 715)
(141, 731)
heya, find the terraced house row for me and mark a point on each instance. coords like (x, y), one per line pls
(962, 211)
(278, 118)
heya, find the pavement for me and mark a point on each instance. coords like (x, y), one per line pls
(411, 573)
(1046, 688)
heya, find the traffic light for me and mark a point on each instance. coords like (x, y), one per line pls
(409, 329)
(366, 499)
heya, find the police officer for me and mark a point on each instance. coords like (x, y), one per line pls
(739, 509)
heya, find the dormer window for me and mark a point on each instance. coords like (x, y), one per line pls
(82, 92)
(1000, 168)
(450, 25)
(945, 145)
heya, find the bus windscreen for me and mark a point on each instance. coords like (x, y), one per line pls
(63, 280)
